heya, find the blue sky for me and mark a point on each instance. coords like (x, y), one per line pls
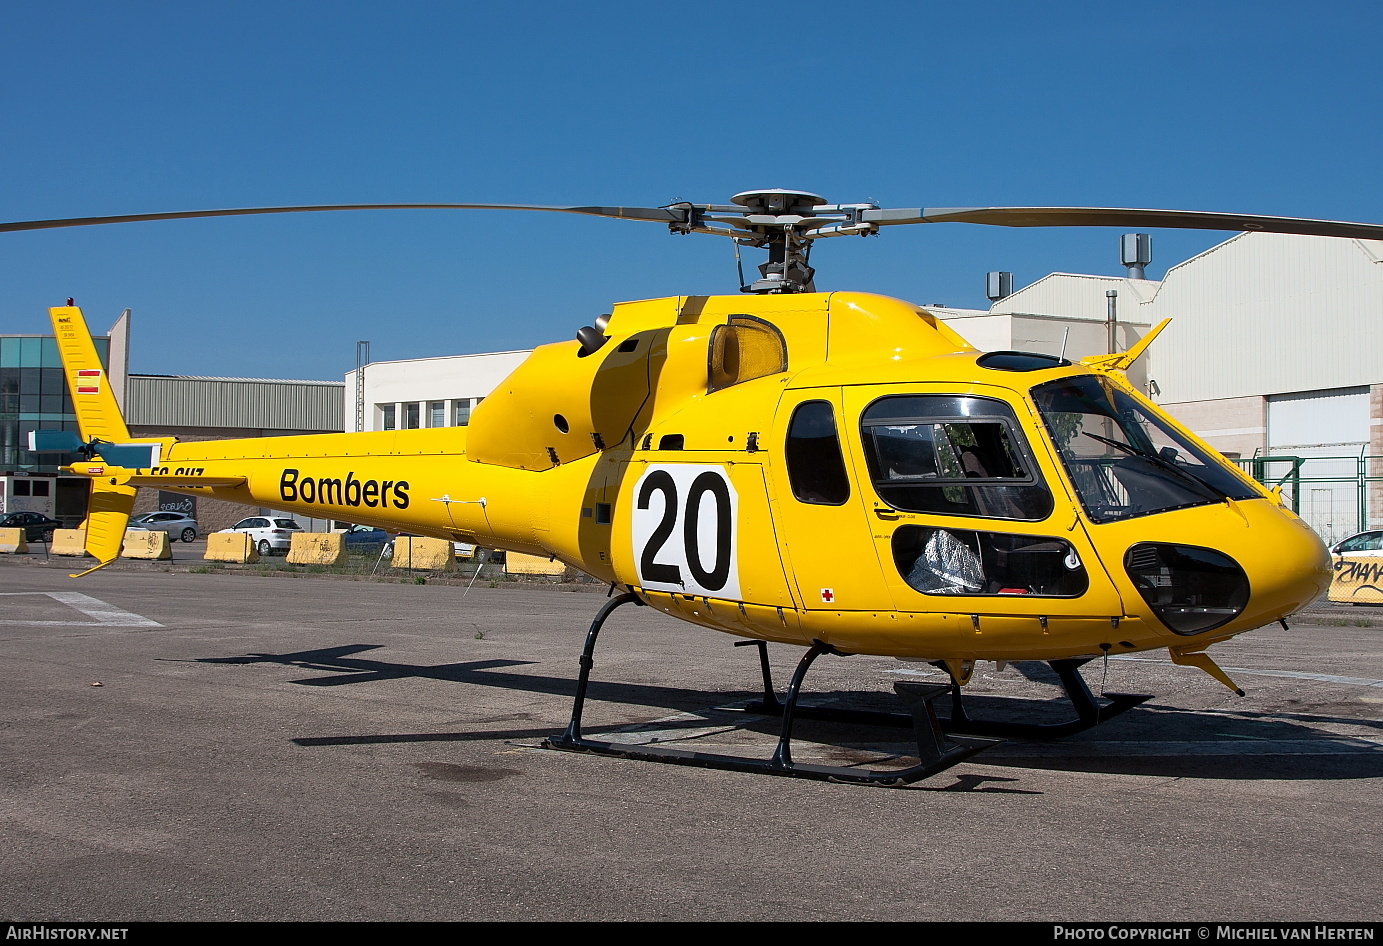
(130, 107)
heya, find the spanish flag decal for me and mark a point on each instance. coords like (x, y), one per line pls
(89, 381)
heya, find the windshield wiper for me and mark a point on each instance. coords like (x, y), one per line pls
(1206, 489)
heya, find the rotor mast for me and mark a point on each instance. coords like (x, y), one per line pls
(783, 222)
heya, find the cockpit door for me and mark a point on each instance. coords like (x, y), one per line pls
(968, 513)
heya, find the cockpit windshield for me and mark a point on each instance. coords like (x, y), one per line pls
(1124, 461)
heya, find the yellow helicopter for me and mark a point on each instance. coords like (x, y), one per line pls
(839, 471)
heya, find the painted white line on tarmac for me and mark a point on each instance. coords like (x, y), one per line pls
(103, 614)
(1291, 674)
(1340, 745)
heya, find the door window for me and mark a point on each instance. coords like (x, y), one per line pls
(959, 456)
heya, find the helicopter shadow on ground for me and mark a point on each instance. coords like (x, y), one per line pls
(1176, 742)
(684, 714)
(1152, 739)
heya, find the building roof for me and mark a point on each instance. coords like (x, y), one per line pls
(199, 377)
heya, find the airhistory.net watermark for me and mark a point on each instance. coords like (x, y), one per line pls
(37, 931)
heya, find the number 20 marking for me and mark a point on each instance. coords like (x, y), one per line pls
(706, 513)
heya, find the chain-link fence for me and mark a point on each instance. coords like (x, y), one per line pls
(1333, 494)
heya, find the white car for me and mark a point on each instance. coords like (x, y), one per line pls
(1360, 542)
(177, 525)
(271, 534)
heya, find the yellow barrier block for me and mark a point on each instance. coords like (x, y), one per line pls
(12, 540)
(516, 563)
(145, 543)
(68, 542)
(316, 548)
(1358, 579)
(416, 551)
(230, 547)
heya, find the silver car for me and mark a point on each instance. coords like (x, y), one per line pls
(177, 525)
(270, 533)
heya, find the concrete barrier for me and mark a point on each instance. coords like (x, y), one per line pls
(12, 540)
(147, 544)
(416, 551)
(1358, 579)
(68, 542)
(516, 563)
(231, 547)
(316, 548)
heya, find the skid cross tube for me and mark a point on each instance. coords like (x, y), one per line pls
(935, 752)
(1089, 710)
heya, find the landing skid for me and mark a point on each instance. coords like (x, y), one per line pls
(934, 750)
(1089, 711)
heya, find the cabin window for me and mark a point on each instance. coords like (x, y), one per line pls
(412, 415)
(743, 349)
(437, 414)
(388, 418)
(963, 562)
(461, 415)
(816, 467)
(957, 456)
(1123, 460)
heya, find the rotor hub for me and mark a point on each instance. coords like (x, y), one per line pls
(776, 200)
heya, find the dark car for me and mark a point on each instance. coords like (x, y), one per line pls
(365, 540)
(37, 527)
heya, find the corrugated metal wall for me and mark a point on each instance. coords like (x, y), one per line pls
(1268, 313)
(234, 402)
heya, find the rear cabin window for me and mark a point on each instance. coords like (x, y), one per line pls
(816, 467)
(957, 456)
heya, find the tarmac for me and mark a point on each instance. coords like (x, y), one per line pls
(180, 745)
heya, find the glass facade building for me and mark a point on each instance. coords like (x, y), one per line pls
(33, 394)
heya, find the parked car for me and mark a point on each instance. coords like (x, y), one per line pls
(37, 527)
(365, 540)
(1360, 542)
(271, 534)
(176, 524)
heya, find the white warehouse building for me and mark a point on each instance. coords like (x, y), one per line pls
(1273, 357)
(424, 392)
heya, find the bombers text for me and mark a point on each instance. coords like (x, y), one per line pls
(334, 491)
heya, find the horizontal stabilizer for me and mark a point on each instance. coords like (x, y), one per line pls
(186, 482)
(132, 477)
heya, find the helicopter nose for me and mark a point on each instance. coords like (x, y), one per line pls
(1239, 578)
(1287, 563)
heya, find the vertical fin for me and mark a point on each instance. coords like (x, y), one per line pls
(98, 416)
(93, 398)
(108, 512)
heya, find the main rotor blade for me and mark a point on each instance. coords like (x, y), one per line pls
(653, 214)
(1123, 217)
